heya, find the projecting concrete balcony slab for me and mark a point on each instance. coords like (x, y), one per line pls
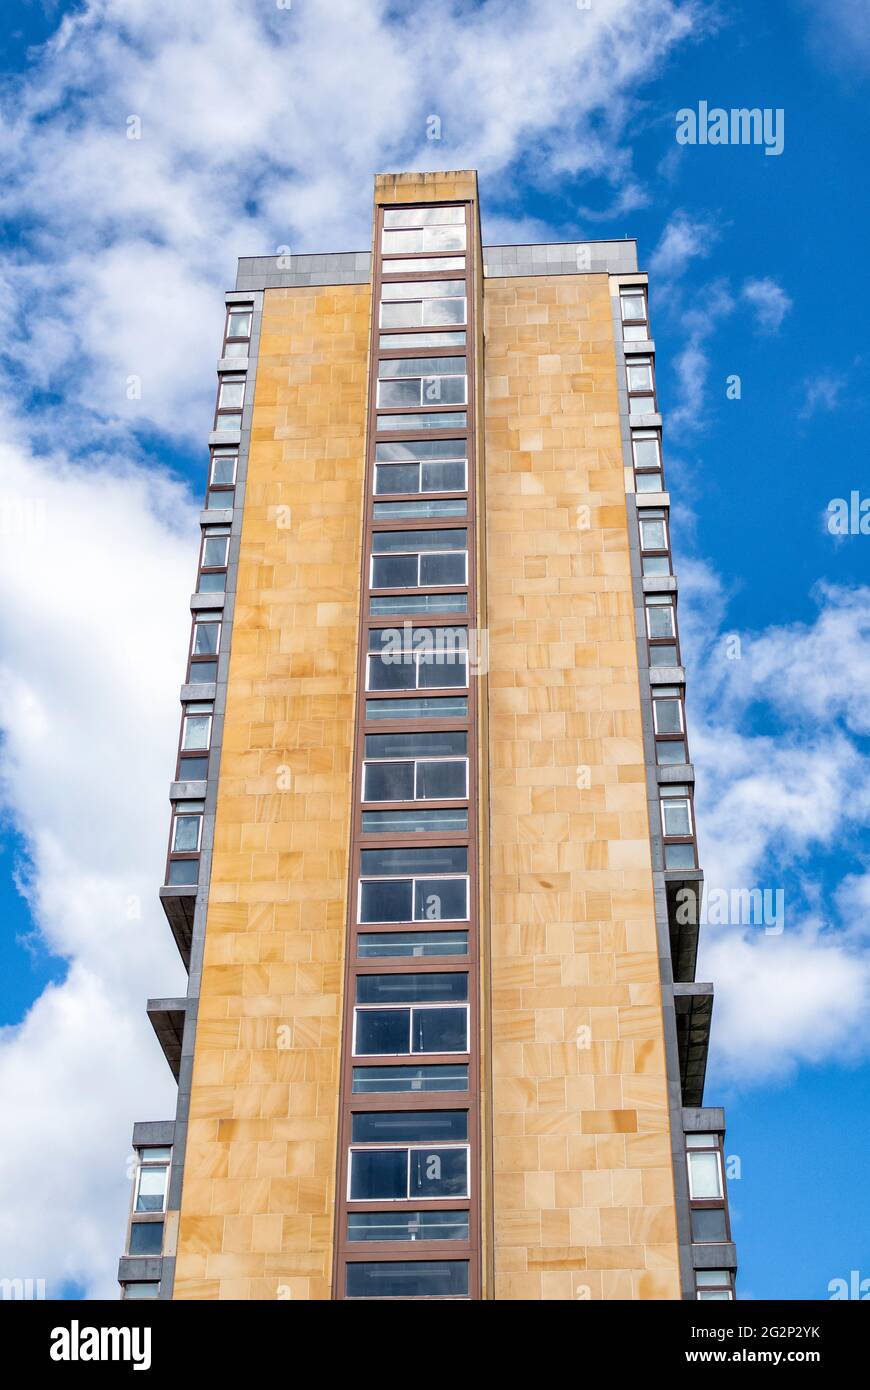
(179, 902)
(684, 888)
(167, 1020)
(694, 1009)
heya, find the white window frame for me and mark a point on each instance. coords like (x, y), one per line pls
(720, 1196)
(673, 834)
(417, 661)
(636, 364)
(430, 1004)
(179, 813)
(416, 762)
(409, 1149)
(413, 879)
(633, 291)
(420, 584)
(221, 454)
(232, 309)
(141, 1166)
(421, 380)
(421, 491)
(424, 320)
(423, 241)
(186, 717)
(668, 608)
(214, 535)
(201, 620)
(653, 521)
(660, 701)
(231, 379)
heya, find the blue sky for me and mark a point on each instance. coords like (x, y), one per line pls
(113, 257)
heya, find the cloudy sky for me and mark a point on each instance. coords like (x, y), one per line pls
(260, 126)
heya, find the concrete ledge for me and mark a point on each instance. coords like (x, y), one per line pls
(201, 602)
(232, 364)
(187, 791)
(722, 1256)
(659, 584)
(179, 902)
(156, 1133)
(140, 1268)
(675, 773)
(703, 1119)
(667, 675)
(652, 499)
(167, 1020)
(206, 691)
(225, 437)
(217, 516)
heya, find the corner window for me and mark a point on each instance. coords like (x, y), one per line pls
(152, 1180)
(139, 1289)
(238, 330)
(705, 1175)
(187, 827)
(196, 728)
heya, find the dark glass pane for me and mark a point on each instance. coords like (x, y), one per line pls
(146, 1237)
(382, 1032)
(679, 856)
(663, 656)
(412, 943)
(401, 478)
(446, 859)
(670, 752)
(408, 1279)
(389, 782)
(220, 501)
(708, 1223)
(407, 1225)
(399, 393)
(440, 900)
(192, 769)
(182, 871)
(439, 1030)
(394, 571)
(205, 638)
(379, 1175)
(441, 781)
(212, 583)
(410, 1126)
(442, 569)
(437, 675)
(385, 901)
(203, 672)
(451, 986)
(396, 1080)
(443, 477)
(439, 1173)
(385, 673)
(419, 744)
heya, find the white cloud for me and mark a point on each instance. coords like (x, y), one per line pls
(770, 302)
(822, 393)
(684, 239)
(771, 807)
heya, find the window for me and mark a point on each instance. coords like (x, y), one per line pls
(146, 1238)
(430, 420)
(416, 265)
(424, 779)
(423, 229)
(641, 386)
(389, 1080)
(427, 1172)
(415, 559)
(152, 1178)
(676, 810)
(705, 1175)
(187, 827)
(709, 1225)
(222, 479)
(400, 1015)
(204, 647)
(676, 814)
(669, 725)
(653, 528)
(660, 619)
(411, 382)
(138, 1288)
(213, 560)
(408, 1225)
(238, 330)
(444, 337)
(422, 303)
(414, 944)
(422, 707)
(418, 658)
(231, 399)
(425, 509)
(632, 303)
(413, 900)
(647, 450)
(196, 727)
(421, 465)
(713, 1285)
(407, 1279)
(441, 821)
(414, 604)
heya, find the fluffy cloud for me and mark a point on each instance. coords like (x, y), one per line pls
(769, 301)
(772, 808)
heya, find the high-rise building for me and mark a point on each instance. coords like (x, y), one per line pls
(432, 862)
